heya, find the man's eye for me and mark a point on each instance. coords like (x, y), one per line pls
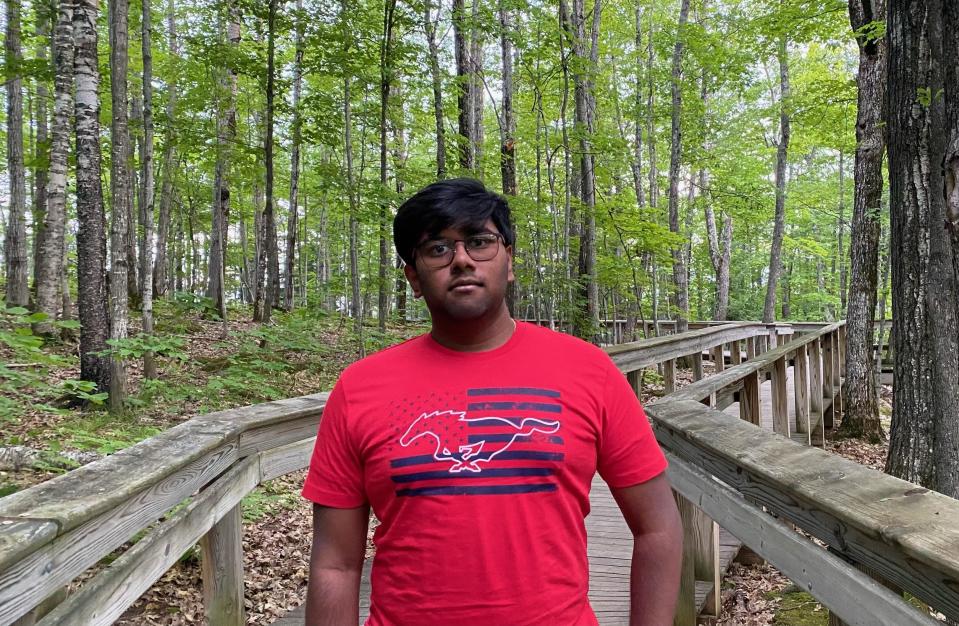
(478, 243)
(437, 249)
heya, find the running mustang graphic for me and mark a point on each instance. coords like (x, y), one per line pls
(452, 439)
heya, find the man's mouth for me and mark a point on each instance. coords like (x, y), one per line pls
(465, 285)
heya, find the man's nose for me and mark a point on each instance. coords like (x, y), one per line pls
(461, 258)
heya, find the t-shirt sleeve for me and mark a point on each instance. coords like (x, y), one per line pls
(335, 477)
(628, 451)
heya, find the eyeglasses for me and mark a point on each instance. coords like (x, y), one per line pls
(438, 253)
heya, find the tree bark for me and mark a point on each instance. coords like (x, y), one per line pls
(292, 219)
(146, 181)
(464, 87)
(861, 414)
(120, 191)
(15, 241)
(923, 110)
(54, 221)
(436, 77)
(680, 278)
(386, 79)
(91, 229)
(782, 155)
(225, 135)
(161, 278)
(508, 127)
(356, 303)
(270, 293)
(636, 165)
(477, 90)
(41, 148)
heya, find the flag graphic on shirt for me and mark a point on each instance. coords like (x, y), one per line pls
(507, 441)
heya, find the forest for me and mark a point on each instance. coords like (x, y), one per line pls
(230, 169)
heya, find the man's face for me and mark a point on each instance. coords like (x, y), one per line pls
(465, 289)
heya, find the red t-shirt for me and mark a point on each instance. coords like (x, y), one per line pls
(478, 466)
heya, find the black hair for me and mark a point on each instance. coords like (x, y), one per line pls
(456, 203)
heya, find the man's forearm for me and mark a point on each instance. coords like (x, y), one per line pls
(654, 578)
(333, 597)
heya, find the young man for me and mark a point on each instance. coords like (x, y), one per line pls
(475, 445)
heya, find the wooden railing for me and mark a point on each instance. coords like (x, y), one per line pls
(193, 477)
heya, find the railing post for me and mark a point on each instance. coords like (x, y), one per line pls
(700, 562)
(751, 347)
(735, 356)
(838, 372)
(801, 391)
(828, 381)
(669, 375)
(816, 435)
(773, 337)
(779, 398)
(719, 357)
(697, 366)
(749, 409)
(635, 378)
(222, 568)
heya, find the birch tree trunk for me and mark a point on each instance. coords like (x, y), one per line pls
(782, 154)
(923, 109)
(15, 241)
(861, 411)
(680, 279)
(436, 77)
(161, 278)
(54, 221)
(356, 303)
(120, 188)
(292, 219)
(146, 182)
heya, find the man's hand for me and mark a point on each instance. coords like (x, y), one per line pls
(336, 563)
(651, 514)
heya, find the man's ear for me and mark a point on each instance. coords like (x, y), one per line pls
(413, 278)
(509, 265)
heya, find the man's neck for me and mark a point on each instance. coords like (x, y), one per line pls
(477, 335)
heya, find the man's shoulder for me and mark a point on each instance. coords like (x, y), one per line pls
(571, 347)
(396, 355)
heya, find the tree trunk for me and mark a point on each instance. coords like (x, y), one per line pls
(477, 90)
(271, 253)
(41, 148)
(782, 154)
(386, 79)
(51, 246)
(436, 77)
(146, 181)
(292, 219)
(464, 86)
(508, 128)
(225, 136)
(637, 163)
(680, 279)
(120, 191)
(135, 218)
(861, 414)
(15, 241)
(923, 110)
(356, 303)
(841, 221)
(160, 277)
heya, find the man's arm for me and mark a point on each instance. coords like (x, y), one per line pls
(336, 563)
(651, 514)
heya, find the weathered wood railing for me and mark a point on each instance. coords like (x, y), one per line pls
(193, 476)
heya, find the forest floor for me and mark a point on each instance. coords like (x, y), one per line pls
(41, 436)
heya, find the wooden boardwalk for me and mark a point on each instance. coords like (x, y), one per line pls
(610, 546)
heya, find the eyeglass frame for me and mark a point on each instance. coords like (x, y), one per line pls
(499, 238)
